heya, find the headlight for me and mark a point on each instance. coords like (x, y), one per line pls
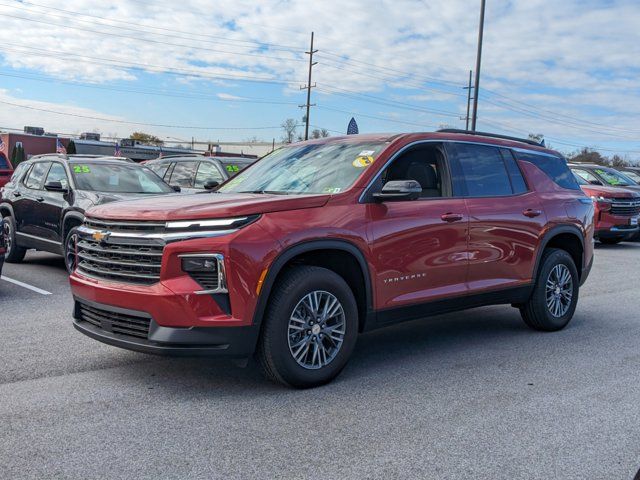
(604, 204)
(601, 199)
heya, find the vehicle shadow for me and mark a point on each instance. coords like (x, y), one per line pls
(632, 245)
(442, 341)
(44, 259)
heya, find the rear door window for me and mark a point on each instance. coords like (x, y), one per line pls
(479, 171)
(588, 177)
(183, 174)
(36, 175)
(555, 168)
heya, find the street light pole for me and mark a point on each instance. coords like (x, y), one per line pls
(476, 92)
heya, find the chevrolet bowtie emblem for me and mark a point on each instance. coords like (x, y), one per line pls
(100, 236)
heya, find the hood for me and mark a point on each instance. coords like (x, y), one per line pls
(100, 198)
(609, 192)
(205, 205)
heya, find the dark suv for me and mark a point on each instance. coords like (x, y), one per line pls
(192, 173)
(318, 241)
(45, 200)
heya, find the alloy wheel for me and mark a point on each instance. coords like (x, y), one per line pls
(316, 330)
(559, 291)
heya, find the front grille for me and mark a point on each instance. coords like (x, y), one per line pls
(625, 207)
(115, 322)
(129, 259)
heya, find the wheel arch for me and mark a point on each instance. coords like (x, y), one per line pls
(339, 256)
(565, 237)
(71, 218)
(6, 210)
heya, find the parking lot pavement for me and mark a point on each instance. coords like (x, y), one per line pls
(467, 395)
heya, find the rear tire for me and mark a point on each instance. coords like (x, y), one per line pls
(555, 294)
(310, 328)
(610, 241)
(14, 253)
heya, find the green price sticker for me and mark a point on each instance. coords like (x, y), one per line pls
(81, 169)
(232, 168)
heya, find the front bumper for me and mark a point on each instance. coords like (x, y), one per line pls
(617, 231)
(105, 324)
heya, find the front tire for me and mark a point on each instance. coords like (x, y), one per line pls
(555, 294)
(14, 253)
(310, 328)
(70, 255)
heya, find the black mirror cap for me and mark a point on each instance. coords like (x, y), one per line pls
(399, 190)
(211, 184)
(54, 186)
(176, 188)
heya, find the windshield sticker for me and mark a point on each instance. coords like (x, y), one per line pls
(331, 190)
(366, 153)
(81, 169)
(232, 168)
(362, 161)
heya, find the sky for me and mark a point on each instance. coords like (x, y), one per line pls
(233, 70)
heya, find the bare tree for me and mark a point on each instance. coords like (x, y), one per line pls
(324, 133)
(289, 127)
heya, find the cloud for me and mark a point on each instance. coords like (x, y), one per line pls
(228, 96)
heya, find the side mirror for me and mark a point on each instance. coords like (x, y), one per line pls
(54, 186)
(595, 182)
(176, 188)
(398, 190)
(211, 184)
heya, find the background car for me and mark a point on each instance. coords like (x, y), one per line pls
(616, 211)
(197, 173)
(632, 172)
(45, 200)
(600, 175)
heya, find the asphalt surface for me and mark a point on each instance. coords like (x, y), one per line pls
(472, 395)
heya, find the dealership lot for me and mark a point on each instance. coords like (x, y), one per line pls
(468, 395)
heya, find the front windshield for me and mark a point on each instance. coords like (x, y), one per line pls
(307, 169)
(112, 178)
(613, 177)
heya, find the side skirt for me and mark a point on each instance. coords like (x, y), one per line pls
(31, 241)
(391, 316)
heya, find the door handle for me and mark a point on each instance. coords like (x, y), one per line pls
(451, 217)
(39, 199)
(529, 212)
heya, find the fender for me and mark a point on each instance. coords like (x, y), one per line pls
(7, 206)
(308, 246)
(549, 235)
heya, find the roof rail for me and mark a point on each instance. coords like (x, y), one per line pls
(42, 155)
(493, 135)
(177, 155)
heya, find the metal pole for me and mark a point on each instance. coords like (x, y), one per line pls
(469, 100)
(476, 93)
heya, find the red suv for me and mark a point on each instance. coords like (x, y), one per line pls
(321, 240)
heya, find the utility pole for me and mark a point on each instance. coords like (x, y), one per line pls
(476, 92)
(309, 86)
(469, 88)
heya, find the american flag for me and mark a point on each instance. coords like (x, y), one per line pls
(352, 129)
(60, 147)
(117, 152)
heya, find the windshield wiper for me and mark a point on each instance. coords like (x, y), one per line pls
(268, 192)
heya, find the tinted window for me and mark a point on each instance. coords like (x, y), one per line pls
(159, 168)
(207, 171)
(482, 169)
(36, 175)
(517, 180)
(183, 174)
(57, 174)
(121, 178)
(555, 167)
(19, 171)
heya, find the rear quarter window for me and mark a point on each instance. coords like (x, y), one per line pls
(555, 168)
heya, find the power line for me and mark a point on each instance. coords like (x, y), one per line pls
(173, 32)
(103, 119)
(148, 40)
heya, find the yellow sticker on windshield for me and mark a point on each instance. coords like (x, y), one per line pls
(362, 161)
